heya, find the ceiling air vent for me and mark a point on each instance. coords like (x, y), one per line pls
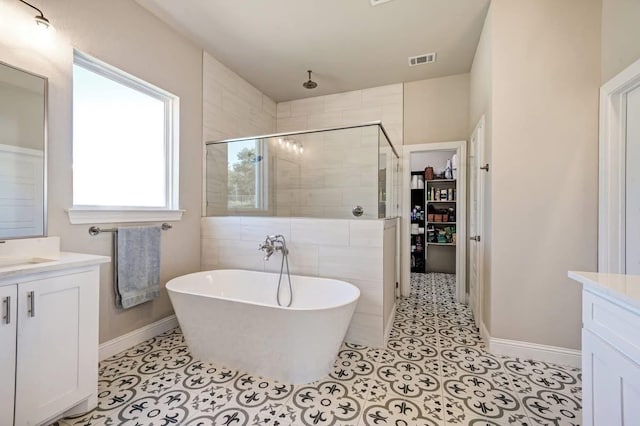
(428, 58)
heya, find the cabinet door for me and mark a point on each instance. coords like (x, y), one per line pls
(57, 345)
(8, 321)
(611, 384)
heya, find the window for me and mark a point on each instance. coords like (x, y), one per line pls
(246, 186)
(125, 146)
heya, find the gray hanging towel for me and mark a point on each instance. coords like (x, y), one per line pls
(137, 265)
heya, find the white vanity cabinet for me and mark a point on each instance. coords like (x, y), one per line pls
(8, 329)
(49, 343)
(610, 348)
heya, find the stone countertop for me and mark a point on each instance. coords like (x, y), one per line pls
(625, 288)
(11, 268)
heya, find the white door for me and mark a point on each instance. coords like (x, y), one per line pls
(632, 184)
(57, 337)
(476, 188)
(8, 321)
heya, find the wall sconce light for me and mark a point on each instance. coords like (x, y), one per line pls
(41, 21)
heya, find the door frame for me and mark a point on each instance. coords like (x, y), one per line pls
(479, 132)
(612, 169)
(461, 213)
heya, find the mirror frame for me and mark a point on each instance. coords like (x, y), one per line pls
(45, 155)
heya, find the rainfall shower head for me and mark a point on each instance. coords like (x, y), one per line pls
(309, 84)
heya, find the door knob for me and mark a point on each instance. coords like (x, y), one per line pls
(476, 238)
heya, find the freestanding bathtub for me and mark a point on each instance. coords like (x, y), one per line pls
(231, 317)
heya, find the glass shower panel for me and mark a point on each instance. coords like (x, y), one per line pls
(324, 174)
(388, 174)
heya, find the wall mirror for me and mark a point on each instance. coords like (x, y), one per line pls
(23, 130)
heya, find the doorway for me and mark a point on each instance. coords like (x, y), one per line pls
(435, 213)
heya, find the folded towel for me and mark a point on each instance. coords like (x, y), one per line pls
(137, 265)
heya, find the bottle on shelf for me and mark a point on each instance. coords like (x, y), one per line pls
(448, 170)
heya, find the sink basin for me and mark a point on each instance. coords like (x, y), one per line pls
(7, 262)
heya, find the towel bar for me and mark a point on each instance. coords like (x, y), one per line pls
(94, 230)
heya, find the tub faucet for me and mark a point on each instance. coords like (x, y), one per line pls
(267, 248)
(271, 244)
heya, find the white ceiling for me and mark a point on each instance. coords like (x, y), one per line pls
(348, 44)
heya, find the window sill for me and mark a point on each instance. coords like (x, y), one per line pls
(78, 216)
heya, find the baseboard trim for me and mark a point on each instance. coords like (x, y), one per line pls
(387, 329)
(126, 341)
(528, 350)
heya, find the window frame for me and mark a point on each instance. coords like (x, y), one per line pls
(82, 214)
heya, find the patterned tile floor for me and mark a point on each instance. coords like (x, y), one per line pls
(434, 371)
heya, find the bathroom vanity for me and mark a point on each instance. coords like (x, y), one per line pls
(48, 331)
(610, 348)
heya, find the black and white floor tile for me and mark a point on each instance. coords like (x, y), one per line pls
(434, 371)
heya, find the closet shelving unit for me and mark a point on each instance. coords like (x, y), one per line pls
(418, 247)
(440, 204)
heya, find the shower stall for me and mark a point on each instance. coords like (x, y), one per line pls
(333, 193)
(326, 173)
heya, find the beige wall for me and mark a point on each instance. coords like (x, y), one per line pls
(128, 37)
(481, 103)
(436, 110)
(544, 166)
(620, 35)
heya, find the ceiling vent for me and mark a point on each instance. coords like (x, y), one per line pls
(428, 58)
(377, 2)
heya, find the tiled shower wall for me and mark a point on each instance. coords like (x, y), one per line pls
(384, 103)
(341, 171)
(361, 252)
(337, 171)
(232, 108)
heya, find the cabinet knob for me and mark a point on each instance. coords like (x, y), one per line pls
(475, 238)
(357, 211)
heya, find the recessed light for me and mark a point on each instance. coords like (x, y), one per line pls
(378, 2)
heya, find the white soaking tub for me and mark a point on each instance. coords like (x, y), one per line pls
(231, 317)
